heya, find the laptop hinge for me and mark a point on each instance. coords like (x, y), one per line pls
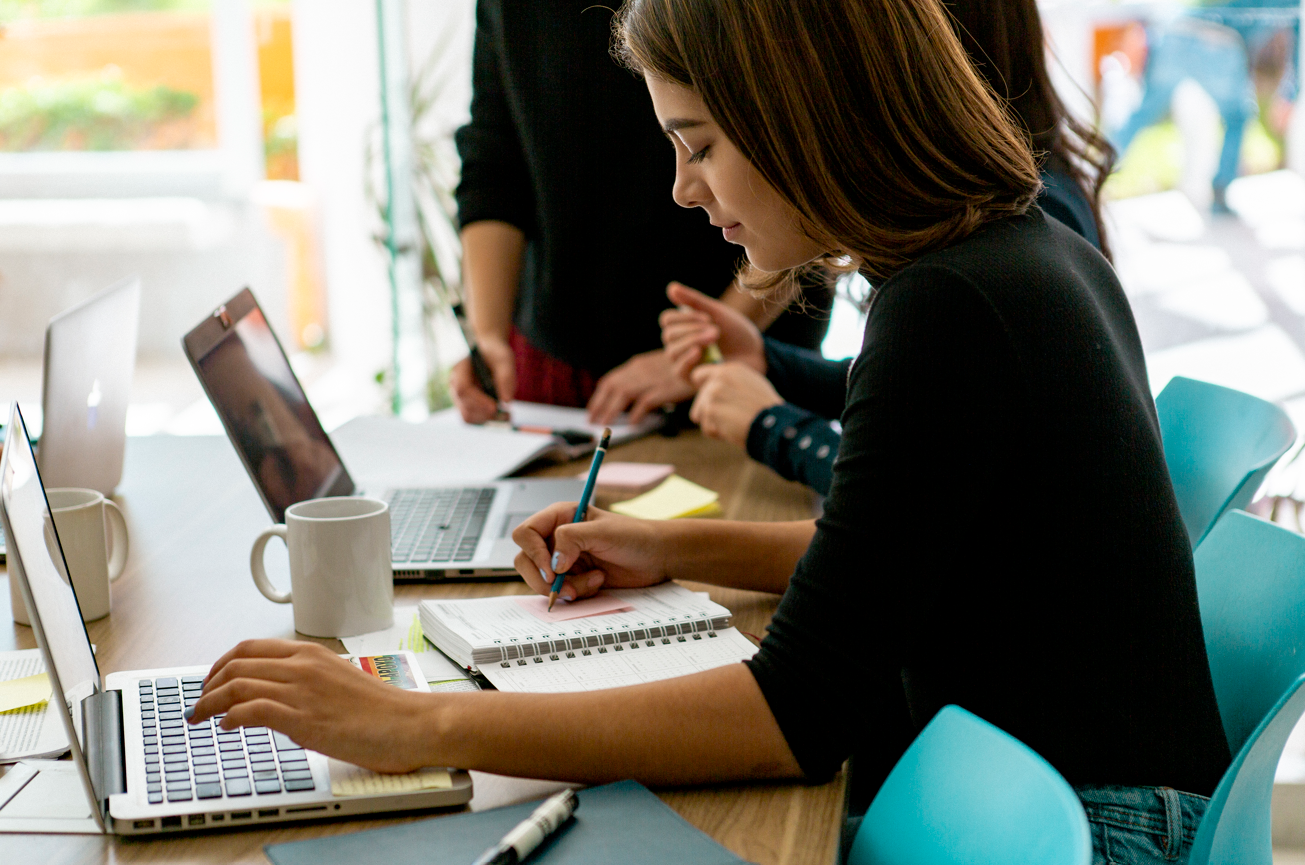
(104, 745)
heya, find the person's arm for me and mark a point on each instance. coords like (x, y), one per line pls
(496, 211)
(708, 727)
(807, 378)
(798, 444)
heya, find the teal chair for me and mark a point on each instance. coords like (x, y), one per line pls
(965, 792)
(1250, 580)
(1219, 445)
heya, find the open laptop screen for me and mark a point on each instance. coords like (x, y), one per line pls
(265, 411)
(35, 551)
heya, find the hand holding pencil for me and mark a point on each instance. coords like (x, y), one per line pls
(582, 508)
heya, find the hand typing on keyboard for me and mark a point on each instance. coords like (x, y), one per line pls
(315, 698)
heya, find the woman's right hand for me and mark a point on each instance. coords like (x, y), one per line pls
(475, 405)
(698, 321)
(605, 550)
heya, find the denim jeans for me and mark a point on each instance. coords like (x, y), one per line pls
(1141, 825)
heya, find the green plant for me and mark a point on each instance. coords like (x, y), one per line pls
(435, 170)
(100, 112)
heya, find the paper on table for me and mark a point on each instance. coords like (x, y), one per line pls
(350, 780)
(598, 605)
(406, 634)
(674, 498)
(31, 731)
(24, 692)
(559, 417)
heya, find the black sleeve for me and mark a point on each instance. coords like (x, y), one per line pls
(496, 180)
(830, 666)
(805, 378)
(798, 444)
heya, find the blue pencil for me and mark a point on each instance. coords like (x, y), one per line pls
(583, 507)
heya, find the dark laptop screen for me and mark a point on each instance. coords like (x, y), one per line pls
(268, 417)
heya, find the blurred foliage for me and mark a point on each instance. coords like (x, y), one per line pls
(99, 112)
(280, 145)
(13, 10)
(1154, 161)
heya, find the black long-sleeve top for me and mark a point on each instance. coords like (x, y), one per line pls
(1000, 370)
(563, 144)
(796, 438)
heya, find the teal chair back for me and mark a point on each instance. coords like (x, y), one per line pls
(1219, 445)
(1250, 580)
(966, 792)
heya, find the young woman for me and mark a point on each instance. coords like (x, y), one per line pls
(1073, 627)
(776, 400)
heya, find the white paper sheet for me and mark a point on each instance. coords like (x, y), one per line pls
(559, 417)
(630, 666)
(45, 796)
(32, 731)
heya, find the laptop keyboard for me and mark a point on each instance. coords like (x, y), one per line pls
(437, 525)
(202, 761)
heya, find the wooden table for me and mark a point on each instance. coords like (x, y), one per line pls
(186, 597)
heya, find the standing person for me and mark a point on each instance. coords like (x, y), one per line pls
(1082, 637)
(563, 209)
(777, 401)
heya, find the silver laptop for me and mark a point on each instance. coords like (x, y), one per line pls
(461, 532)
(90, 355)
(142, 768)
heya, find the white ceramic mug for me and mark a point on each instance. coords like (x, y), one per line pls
(341, 582)
(93, 534)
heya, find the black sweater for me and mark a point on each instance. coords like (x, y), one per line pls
(1001, 532)
(563, 144)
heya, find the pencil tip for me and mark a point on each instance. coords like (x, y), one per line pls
(552, 596)
(607, 437)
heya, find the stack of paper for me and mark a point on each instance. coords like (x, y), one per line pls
(27, 726)
(673, 499)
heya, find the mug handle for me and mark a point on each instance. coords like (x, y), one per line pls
(256, 565)
(117, 539)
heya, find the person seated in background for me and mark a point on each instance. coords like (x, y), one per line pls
(780, 403)
(563, 205)
(1075, 629)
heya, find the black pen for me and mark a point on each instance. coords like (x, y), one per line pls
(484, 376)
(531, 832)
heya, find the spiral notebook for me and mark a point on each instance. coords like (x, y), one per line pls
(636, 636)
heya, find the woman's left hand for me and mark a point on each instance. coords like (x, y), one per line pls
(730, 396)
(319, 700)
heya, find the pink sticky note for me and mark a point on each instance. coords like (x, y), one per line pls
(631, 476)
(598, 605)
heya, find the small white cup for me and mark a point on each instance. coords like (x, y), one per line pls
(93, 534)
(341, 582)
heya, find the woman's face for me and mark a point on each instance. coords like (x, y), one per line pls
(711, 173)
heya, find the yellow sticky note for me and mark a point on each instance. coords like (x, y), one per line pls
(17, 693)
(350, 780)
(673, 498)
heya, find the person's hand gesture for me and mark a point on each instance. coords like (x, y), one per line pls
(475, 405)
(605, 550)
(697, 322)
(641, 384)
(730, 396)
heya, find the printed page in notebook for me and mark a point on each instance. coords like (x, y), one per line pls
(486, 622)
(32, 731)
(631, 663)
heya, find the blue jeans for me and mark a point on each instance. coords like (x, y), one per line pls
(1141, 825)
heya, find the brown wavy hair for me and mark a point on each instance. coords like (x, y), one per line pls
(1004, 39)
(865, 115)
